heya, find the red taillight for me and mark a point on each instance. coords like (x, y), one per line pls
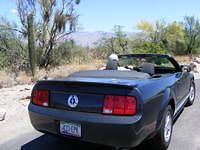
(119, 105)
(41, 97)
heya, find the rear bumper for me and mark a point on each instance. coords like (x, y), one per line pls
(116, 131)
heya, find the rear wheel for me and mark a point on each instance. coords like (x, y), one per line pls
(162, 140)
(192, 94)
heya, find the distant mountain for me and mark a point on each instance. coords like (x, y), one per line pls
(89, 38)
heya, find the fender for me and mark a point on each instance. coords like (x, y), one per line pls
(168, 97)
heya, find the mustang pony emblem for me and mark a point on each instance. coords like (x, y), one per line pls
(72, 101)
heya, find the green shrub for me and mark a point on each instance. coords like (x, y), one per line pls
(3, 59)
(150, 47)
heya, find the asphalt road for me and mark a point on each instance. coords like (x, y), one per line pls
(186, 135)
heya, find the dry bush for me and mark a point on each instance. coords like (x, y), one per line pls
(65, 70)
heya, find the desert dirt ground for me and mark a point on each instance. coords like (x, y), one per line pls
(15, 101)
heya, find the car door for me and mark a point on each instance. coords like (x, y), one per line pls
(187, 82)
(182, 85)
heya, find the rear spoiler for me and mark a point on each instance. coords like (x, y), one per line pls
(86, 83)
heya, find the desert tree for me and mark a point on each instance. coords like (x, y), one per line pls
(54, 21)
(153, 32)
(12, 50)
(192, 33)
(117, 42)
(169, 34)
(120, 36)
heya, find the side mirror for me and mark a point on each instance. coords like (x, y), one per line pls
(186, 68)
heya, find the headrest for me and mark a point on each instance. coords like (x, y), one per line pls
(148, 68)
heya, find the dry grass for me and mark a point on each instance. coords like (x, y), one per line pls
(8, 80)
(5, 79)
(65, 70)
(185, 59)
(182, 58)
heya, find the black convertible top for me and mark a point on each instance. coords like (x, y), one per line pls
(111, 74)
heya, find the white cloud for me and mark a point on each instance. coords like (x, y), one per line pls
(14, 11)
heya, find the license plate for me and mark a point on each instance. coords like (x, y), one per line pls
(71, 129)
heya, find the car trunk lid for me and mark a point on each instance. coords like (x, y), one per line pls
(89, 93)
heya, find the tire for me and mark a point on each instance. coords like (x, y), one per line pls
(162, 139)
(192, 94)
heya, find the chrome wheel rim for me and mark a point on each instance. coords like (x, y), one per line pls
(192, 93)
(168, 127)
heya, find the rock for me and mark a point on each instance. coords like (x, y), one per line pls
(26, 98)
(26, 89)
(2, 114)
(197, 60)
(45, 77)
(1, 85)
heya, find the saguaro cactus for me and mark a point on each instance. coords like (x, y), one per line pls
(31, 43)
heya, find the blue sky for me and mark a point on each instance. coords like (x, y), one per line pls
(102, 15)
